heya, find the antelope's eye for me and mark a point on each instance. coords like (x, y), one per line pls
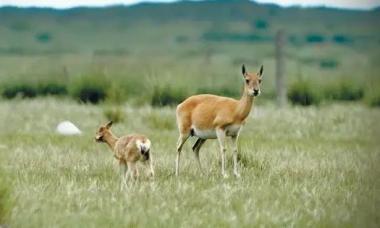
(259, 80)
(246, 81)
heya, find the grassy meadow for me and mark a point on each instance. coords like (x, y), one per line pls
(313, 163)
(315, 166)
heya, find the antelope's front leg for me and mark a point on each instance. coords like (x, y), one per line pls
(235, 154)
(221, 135)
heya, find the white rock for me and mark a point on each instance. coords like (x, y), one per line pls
(68, 128)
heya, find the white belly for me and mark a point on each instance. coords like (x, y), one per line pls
(231, 130)
(205, 133)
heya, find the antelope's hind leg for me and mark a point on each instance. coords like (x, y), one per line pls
(132, 172)
(181, 140)
(148, 163)
(196, 148)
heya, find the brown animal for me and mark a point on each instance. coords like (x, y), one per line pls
(214, 117)
(128, 150)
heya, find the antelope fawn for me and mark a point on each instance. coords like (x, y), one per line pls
(215, 117)
(128, 150)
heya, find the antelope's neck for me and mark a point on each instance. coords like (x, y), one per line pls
(245, 105)
(110, 139)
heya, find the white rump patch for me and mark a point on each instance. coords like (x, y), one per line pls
(143, 146)
(67, 128)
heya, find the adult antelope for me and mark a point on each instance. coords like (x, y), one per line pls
(214, 117)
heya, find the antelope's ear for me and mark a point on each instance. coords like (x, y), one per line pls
(261, 71)
(243, 71)
(109, 124)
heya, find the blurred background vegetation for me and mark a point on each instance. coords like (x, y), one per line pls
(158, 54)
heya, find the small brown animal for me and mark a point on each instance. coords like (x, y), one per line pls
(214, 117)
(128, 150)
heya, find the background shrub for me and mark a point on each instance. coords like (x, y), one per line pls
(315, 38)
(23, 90)
(341, 39)
(52, 88)
(227, 91)
(328, 63)
(261, 24)
(167, 96)
(235, 37)
(302, 92)
(29, 89)
(43, 37)
(344, 90)
(89, 88)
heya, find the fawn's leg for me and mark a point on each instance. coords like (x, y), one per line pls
(132, 169)
(123, 170)
(151, 170)
(147, 161)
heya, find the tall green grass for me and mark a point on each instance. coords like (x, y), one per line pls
(5, 199)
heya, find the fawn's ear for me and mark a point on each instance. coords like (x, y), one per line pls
(243, 70)
(109, 124)
(260, 73)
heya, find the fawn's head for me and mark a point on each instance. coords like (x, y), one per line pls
(102, 131)
(252, 81)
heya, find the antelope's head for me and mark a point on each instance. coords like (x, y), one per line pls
(252, 81)
(103, 131)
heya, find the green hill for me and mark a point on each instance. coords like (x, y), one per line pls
(187, 39)
(50, 30)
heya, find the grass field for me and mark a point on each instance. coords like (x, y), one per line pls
(315, 166)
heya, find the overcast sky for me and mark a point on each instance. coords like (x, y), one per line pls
(353, 4)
